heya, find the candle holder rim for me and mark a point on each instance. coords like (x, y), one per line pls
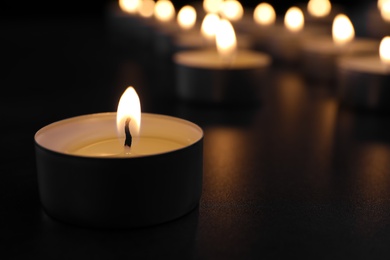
(69, 155)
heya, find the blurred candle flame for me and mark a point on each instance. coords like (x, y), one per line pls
(212, 6)
(384, 50)
(164, 10)
(226, 40)
(385, 11)
(146, 8)
(129, 106)
(319, 8)
(209, 26)
(186, 17)
(264, 14)
(232, 10)
(294, 19)
(380, 3)
(342, 30)
(129, 6)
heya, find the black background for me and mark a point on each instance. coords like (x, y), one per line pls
(299, 176)
(74, 9)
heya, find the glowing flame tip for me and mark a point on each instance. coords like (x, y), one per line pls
(129, 106)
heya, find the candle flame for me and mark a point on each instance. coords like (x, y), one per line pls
(380, 3)
(209, 26)
(342, 30)
(319, 8)
(232, 10)
(212, 6)
(186, 17)
(294, 20)
(384, 50)
(385, 11)
(226, 40)
(129, 106)
(164, 10)
(264, 14)
(129, 6)
(146, 8)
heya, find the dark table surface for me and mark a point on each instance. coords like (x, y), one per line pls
(296, 176)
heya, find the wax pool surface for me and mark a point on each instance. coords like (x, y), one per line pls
(78, 136)
(141, 146)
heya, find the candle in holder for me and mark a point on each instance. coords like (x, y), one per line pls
(363, 81)
(166, 27)
(320, 54)
(119, 170)
(122, 21)
(377, 23)
(264, 18)
(284, 42)
(222, 75)
(321, 13)
(205, 36)
(232, 10)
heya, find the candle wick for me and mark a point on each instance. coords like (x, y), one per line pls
(129, 138)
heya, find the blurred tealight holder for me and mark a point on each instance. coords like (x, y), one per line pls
(166, 27)
(363, 81)
(221, 75)
(320, 54)
(377, 19)
(263, 22)
(130, 22)
(284, 43)
(119, 170)
(204, 36)
(321, 13)
(122, 20)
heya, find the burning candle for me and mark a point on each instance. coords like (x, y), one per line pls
(205, 36)
(321, 13)
(232, 10)
(166, 27)
(124, 169)
(363, 81)
(212, 6)
(320, 54)
(130, 6)
(123, 22)
(164, 11)
(186, 18)
(146, 8)
(264, 14)
(222, 75)
(377, 23)
(284, 42)
(261, 25)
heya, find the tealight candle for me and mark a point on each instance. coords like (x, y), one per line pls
(377, 23)
(321, 12)
(363, 81)
(122, 21)
(222, 75)
(320, 54)
(166, 27)
(260, 24)
(205, 36)
(284, 43)
(124, 169)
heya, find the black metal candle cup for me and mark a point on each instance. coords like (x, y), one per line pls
(79, 183)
